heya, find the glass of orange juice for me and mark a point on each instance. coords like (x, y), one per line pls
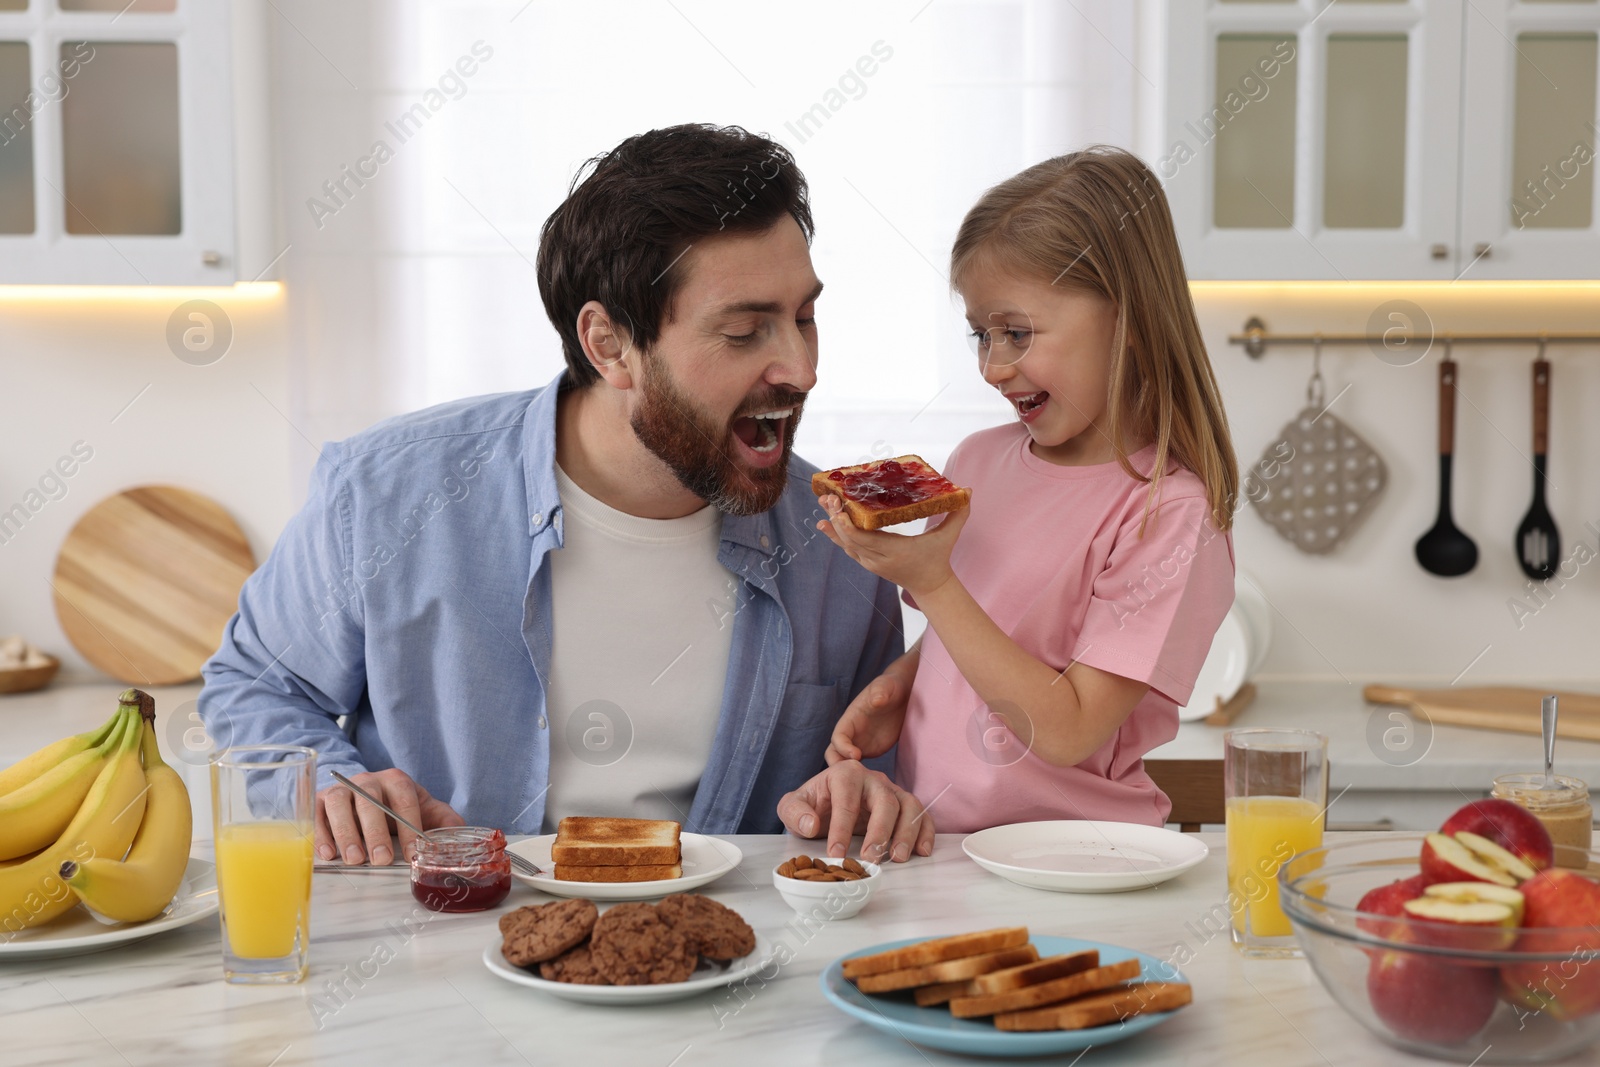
(1276, 785)
(263, 802)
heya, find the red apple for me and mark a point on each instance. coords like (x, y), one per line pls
(1508, 825)
(1423, 998)
(1563, 916)
(1470, 857)
(1478, 916)
(1389, 900)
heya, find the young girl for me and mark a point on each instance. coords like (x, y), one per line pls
(1071, 605)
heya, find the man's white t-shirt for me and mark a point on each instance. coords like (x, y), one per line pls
(643, 622)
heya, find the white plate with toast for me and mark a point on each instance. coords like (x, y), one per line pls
(1084, 856)
(705, 859)
(707, 976)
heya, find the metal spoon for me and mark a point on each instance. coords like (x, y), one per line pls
(1538, 540)
(526, 866)
(1445, 550)
(1547, 722)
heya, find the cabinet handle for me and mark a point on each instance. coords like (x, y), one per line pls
(1377, 824)
(1439, 251)
(1481, 250)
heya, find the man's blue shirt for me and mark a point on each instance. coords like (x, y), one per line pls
(412, 596)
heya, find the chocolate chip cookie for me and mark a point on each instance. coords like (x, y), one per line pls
(575, 965)
(542, 932)
(631, 945)
(713, 930)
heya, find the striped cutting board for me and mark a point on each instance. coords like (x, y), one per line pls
(147, 580)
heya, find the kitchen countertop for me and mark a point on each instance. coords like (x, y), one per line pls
(1456, 758)
(392, 983)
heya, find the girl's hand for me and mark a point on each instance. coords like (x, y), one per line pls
(917, 563)
(871, 724)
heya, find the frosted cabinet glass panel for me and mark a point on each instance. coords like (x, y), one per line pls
(1552, 157)
(1253, 125)
(120, 141)
(137, 7)
(16, 141)
(1364, 139)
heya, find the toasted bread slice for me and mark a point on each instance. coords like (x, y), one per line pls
(633, 872)
(936, 950)
(602, 842)
(948, 971)
(1009, 978)
(929, 996)
(886, 492)
(1098, 1009)
(1036, 996)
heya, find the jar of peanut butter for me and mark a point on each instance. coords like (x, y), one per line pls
(1563, 807)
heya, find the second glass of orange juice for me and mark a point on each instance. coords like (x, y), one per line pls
(263, 801)
(1276, 784)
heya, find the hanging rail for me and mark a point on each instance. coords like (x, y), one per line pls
(1256, 338)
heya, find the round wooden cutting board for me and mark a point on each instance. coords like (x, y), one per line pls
(146, 582)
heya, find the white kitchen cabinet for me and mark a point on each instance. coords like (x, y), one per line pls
(1528, 143)
(116, 142)
(1380, 138)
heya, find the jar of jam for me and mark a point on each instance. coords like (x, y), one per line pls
(1564, 809)
(461, 868)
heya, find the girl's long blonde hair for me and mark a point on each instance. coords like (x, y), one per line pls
(1098, 220)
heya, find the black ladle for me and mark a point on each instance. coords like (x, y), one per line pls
(1445, 550)
(1538, 540)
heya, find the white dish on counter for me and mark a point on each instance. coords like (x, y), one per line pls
(705, 859)
(1237, 651)
(78, 933)
(706, 976)
(1084, 856)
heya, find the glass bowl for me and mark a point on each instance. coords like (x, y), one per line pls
(1518, 995)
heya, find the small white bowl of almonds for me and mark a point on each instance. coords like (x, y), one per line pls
(824, 890)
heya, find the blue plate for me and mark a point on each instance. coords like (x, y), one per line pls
(896, 1015)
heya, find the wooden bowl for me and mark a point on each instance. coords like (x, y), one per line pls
(25, 679)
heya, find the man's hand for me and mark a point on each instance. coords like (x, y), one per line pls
(849, 798)
(344, 819)
(871, 724)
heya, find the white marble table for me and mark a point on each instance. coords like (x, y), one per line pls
(394, 984)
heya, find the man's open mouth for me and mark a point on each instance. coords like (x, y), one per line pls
(762, 432)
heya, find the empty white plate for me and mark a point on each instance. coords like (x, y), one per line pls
(705, 859)
(1082, 856)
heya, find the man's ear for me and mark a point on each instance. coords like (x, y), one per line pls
(607, 344)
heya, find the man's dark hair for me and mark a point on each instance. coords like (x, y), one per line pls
(632, 212)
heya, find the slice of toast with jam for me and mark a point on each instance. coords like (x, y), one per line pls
(890, 491)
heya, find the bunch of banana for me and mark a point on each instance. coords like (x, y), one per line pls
(72, 809)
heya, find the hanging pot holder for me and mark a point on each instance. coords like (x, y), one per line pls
(1317, 482)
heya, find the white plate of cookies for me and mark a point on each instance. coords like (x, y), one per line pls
(631, 953)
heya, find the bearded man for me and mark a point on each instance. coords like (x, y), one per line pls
(606, 596)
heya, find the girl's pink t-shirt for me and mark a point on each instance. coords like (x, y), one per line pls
(1054, 555)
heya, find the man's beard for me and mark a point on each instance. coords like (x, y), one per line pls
(700, 451)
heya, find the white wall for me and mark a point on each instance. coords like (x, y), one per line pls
(418, 289)
(92, 364)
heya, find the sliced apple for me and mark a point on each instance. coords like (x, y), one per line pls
(1479, 916)
(1470, 857)
(1508, 825)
